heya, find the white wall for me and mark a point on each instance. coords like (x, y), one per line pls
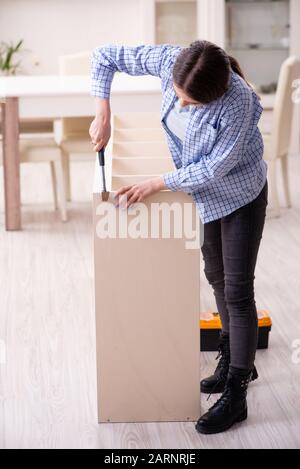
(56, 27)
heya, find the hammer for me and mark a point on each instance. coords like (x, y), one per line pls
(104, 193)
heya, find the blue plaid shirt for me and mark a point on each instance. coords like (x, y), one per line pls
(220, 162)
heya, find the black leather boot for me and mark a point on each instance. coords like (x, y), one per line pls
(231, 407)
(216, 383)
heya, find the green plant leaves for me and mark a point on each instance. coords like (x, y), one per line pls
(7, 52)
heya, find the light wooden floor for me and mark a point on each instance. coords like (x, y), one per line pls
(48, 385)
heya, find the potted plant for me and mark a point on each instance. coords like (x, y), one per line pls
(7, 54)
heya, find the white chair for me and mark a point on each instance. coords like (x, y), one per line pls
(72, 134)
(41, 148)
(37, 145)
(277, 143)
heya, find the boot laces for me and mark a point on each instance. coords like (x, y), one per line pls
(225, 400)
(224, 360)
(230, 391)
(223, 365)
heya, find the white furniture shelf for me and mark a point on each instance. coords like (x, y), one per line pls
(175, 22)
(252, 23)
(183, 21)
(258, 35)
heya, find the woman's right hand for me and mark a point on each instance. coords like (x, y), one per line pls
(100, 129)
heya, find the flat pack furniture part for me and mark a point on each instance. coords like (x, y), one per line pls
(147, 306)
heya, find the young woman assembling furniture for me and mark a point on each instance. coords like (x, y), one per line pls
(210, 115)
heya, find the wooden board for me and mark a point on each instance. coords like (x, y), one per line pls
(147, 321)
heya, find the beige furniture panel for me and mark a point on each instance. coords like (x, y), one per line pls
(141, 149)
(134, 134)
(142, 165)
(134, 120)
(119, 181)
(147, 317)
(147, 289)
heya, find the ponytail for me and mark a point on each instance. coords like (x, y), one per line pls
(237, 69)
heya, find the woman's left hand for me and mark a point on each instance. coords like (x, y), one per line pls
(129, 195)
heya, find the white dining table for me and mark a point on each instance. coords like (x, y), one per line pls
(52, 97)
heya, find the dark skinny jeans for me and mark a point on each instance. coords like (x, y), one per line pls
(230, 251)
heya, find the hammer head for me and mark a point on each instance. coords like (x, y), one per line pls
(104, 196)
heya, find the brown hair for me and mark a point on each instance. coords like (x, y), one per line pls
(202, 71)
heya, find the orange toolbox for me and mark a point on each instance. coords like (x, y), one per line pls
(210, 328)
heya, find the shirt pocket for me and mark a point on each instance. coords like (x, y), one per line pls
(205, 138)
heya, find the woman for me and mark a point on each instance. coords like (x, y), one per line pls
(210, 115)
